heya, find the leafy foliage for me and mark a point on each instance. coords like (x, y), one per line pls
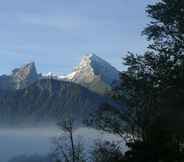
(107, 152)
(153, 89)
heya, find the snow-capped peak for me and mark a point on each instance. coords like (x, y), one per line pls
(91, 58)
(94, 73)
(92, 65)
(87, 59)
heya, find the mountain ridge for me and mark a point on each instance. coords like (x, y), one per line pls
(27, 97)
(93, 73)
(47, 101)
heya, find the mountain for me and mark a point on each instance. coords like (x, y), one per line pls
(94, 73)
(47, 101)
(20, 78)
(27, 97)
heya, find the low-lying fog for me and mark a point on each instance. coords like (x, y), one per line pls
(14, 142)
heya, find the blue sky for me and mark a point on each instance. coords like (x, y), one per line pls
(57, 33)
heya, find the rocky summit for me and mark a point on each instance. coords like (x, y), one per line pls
(20, 78)
(93, 73)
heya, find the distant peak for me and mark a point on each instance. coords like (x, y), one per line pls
(26, 68)
(97, 65)
(29, 64)
(90, 55)
(91, 58)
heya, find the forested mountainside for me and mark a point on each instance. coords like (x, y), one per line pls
(47, 100)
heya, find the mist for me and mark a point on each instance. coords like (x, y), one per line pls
(14, 142)
(28, 141)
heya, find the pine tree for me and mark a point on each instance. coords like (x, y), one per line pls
(154, 89)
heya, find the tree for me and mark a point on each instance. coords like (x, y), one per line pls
(107, 152)
(66, 148)
(108, 118)
(154, 82)
(167, 34)
(153, 90)
(166, 28)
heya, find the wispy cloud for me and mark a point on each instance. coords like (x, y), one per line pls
(58, 22)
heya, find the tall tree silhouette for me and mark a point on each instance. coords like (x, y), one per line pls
(153, 90)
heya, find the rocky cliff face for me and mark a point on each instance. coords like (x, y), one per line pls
(94, 73)
(20, 77)
(25, 75)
